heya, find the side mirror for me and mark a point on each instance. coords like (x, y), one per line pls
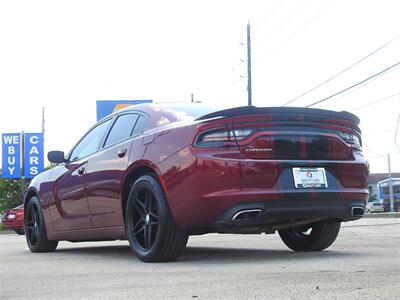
(56, 157)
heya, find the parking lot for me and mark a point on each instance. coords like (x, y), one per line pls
(364, 263)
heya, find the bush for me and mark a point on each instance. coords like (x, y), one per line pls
(11, 192)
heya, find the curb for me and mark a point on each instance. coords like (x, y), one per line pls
(382, 215)
(5, 231)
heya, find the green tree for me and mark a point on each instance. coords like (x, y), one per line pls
(372, 197)
(11, 192)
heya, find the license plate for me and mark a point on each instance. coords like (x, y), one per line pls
(305, 178)
(11, 216)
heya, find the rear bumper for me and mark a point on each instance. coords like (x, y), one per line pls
(13, 224)
(280, 203)
(211, 188)
(216, 212)
(376, 210)
(278, 213)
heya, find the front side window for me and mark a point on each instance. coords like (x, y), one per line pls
(90, 143)
(122, 129)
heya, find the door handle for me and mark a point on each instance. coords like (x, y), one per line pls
(81, 171)
(121, 153)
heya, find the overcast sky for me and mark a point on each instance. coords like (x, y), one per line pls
(65, 55)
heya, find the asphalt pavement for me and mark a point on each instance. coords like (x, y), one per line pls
(363, 263)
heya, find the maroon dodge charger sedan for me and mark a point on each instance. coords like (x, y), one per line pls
(155, 174)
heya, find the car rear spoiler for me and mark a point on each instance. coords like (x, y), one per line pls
(247, 110)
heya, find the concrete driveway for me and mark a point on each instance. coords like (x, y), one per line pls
(363, 263)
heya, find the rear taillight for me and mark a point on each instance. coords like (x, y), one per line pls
(282, 142)
(218, 138)
(351, 139)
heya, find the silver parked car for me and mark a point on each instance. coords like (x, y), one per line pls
(374, 207)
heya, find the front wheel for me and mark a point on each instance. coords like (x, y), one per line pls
(151, 230)
(35, 229)
(313, 237)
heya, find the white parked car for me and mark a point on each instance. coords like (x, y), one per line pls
(374, 207)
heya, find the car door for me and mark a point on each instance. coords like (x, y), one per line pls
(106, 172)
(71, 207)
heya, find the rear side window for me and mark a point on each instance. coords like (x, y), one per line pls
(140, 124)
(122, 129)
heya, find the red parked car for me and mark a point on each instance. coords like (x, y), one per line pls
(155, 174)
(14, 219)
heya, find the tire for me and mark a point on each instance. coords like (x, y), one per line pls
(35, 228)
(313, 237)
(152, 233)
(19, 231)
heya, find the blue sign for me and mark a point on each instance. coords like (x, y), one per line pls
(33, 154)
(11, 162)
(106, 107)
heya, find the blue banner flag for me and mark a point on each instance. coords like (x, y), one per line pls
(11, 161)
(33, 154)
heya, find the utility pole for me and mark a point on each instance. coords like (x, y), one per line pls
(43, 119)
(23, 187)
(249, 87)
(390, 185)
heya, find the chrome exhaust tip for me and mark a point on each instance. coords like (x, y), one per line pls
(357, 211)
(248, 214)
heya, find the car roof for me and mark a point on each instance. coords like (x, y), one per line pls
(192, 109)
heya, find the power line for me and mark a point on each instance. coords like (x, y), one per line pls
(395, 134)
(269, 14)
(376, 101)
(341, 72)
(365, 81)
(297, 31)
(299, 8)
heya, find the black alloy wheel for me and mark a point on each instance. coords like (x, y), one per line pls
(32, 225)
(145, 218)
(150, 228)
(35, 228)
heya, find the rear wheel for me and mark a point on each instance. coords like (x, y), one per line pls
(151, 230)
(35, 229)
(313, 237)
(19, 231)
